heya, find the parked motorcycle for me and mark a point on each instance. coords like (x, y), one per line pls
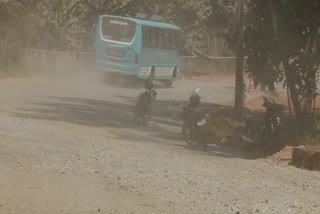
(266, 133)
(194, 127)
(143, 107)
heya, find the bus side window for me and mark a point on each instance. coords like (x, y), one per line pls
(154, 38)
(174, 39)
(146, 37)
(160, 39)
(167, 41)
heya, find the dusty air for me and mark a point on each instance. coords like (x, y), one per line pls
(180, 106)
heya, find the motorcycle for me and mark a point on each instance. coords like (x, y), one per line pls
(194, 127)
(265, 133)
(143, 107)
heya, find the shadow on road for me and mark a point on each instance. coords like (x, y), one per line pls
(224, 151)
(164, 127)
(102, 113)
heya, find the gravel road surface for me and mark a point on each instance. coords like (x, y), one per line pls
(68, 145)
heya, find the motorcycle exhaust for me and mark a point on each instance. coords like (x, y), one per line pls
(247, 139)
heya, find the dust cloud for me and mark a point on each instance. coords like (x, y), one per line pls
(23, 86)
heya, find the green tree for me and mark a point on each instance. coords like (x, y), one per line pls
(284, 35)
(59, 23)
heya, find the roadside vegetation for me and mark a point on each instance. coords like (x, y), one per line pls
(280, 38)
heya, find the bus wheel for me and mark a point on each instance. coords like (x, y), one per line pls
(168, 83)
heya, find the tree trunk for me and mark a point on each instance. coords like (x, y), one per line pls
(300, 117)
(309, 99)
(239, 84)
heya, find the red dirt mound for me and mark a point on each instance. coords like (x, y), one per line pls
(226, 124)
(307, 157)
(284, 156)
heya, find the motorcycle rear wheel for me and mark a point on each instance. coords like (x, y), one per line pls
(270, 143)
(195, 142)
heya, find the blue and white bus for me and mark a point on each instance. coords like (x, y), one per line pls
(146, 49)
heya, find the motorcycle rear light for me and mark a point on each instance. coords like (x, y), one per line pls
(270, 118)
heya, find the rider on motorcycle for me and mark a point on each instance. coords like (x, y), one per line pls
(194, 103)
(150, 91)
(268, 102)
(145, 99)
(194, 100)
(272, 109)
(194, 128)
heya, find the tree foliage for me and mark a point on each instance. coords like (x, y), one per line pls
(61, 23)
(283, 36)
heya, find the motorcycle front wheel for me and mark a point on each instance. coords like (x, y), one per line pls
(140, 117)
(186, 133)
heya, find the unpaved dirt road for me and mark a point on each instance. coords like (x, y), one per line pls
(67, 145)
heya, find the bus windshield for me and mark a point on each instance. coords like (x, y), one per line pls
(118, 30)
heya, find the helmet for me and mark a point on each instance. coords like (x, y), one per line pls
(268, 101)
(195, 98)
